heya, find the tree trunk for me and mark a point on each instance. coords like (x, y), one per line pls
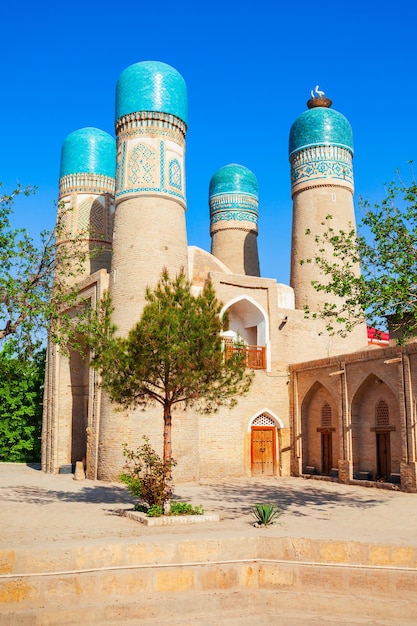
(167, 433)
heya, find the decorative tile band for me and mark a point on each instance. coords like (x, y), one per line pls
(234, 200)
(86, 183)
(233, 207)
(150, 122)
(150, 190)
(321, 162)
(237, 216)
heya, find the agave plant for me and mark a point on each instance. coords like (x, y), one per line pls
(265, 514)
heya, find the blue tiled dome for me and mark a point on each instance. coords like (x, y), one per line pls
(151, 86)
(233, 178)
(88, 151)
(320, 126)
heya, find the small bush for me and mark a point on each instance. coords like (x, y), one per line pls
(183, 508)
(265, 514)
(147, 476)
(155, 511)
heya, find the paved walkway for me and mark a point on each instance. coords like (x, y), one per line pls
(38, 508)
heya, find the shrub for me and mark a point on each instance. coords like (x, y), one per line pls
(265, 514)
(155, 511)
(183, 508)
(147, 476)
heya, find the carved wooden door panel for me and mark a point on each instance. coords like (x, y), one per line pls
(263, 450)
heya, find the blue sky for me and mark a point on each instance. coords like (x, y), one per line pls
(249, 68)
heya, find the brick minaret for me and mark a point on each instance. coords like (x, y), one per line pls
(149, 229)
(233, 200)
(86, 196)
(86, 203)
(149, 225)
(321, 151)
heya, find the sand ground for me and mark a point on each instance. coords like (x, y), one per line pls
(38, 509)
(58, 514)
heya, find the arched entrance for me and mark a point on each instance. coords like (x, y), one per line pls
(248, 331)
(320, 433)
(264, 436)
(376, 430)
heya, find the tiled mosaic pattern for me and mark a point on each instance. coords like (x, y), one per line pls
(233, 178)
(143, 169)
(321, 162)
(320, 126)
(142, 166)
(151, 86)
(239, 207)
(88, 151)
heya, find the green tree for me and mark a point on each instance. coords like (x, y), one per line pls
(385, 247)
(21, 391)
(174, 355)
(34, 291)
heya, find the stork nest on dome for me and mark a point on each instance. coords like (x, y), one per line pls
(321, 101)
(318, 99)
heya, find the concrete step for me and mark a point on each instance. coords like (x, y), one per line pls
(169, 550)
(228, 608)
(246, 587)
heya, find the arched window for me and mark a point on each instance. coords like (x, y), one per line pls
(381, 414)
(174, 174)
(326, 415)
(263, 420)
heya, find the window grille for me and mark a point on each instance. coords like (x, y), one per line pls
(326, 415)
(263, 420)
(382, 414)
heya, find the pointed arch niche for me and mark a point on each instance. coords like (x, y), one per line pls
(376, 430)
(319, 431)
(249, 325)
(265, 443)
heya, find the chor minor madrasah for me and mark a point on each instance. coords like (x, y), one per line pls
(341, 408)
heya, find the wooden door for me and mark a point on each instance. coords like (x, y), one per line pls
(263, 450)
(383, 454)
(326, 453)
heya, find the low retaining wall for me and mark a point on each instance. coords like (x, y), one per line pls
(166, 551)
(90, 580)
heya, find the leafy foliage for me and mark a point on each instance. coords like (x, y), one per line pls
(147, 476)
(21, 390)
(155, 511)
(174, 355)
(265, 514)
(386, 251)
(184, 508)
(34, 286)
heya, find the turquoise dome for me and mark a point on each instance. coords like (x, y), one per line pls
(233, 178)
(151, 86)
(320, 126)
(89, 151)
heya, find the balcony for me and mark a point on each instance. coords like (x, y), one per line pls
(255, 356)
